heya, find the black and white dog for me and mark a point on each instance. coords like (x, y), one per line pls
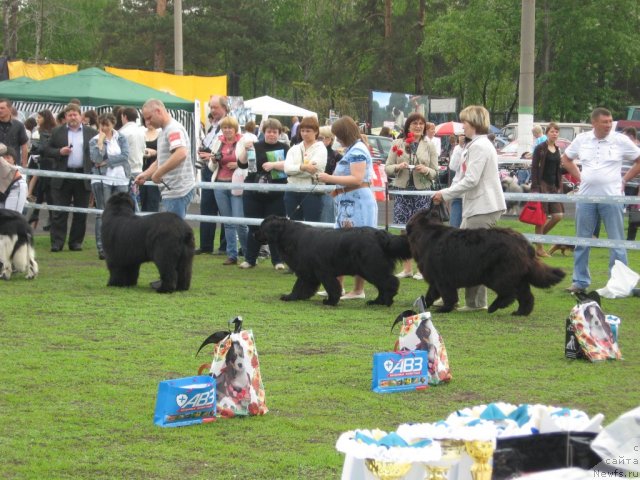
(16, 246)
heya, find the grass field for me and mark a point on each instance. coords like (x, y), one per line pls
(81, 363)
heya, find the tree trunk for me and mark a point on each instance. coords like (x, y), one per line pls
(159, 47)
(39, 21)
(388, 48)
(419, 86)
(10, 26)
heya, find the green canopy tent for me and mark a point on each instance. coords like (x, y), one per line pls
(93, 87)
(96, 89)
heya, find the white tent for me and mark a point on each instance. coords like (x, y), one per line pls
(269, 106)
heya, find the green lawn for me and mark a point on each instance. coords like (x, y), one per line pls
(81, 363)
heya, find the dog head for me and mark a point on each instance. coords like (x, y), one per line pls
(271, 229)
(235, 357)
(423, 218)
(121, 201)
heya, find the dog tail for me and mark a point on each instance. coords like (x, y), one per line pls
(395, 246)
(543, 276)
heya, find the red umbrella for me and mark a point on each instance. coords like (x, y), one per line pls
(449, 128)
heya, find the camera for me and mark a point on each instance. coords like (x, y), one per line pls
(200, 162)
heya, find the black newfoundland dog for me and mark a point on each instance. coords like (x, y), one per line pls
(16, 246)
(499, 258)
(129, 240)
(319, 255)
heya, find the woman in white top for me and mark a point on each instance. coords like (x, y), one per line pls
(110, 156)
(482, 198)
(303, 161)
(13, 186)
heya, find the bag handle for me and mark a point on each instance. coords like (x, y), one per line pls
(402, 316)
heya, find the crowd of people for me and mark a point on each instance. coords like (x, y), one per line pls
(131, 152)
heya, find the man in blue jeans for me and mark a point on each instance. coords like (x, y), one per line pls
(601, 152)
(173, 170)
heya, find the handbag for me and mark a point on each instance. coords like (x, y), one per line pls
(239, 174)
(419, 334)
(185, 401)
(589, 335)
(634, 214)
(400, 371)
(533, 214)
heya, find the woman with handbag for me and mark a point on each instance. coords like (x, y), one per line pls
(482, 198)
(227, 150)
(414, 163)
(546, 177)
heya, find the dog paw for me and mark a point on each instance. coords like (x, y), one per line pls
(286, 298)
(331, 303)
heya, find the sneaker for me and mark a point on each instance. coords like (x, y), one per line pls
(575, 289)
(352, 296)
(230, 261)
(470, 309)
(418, 276)
(322, 293)
(404, 274)
(280, 266)
(245, 265)
(438, 303)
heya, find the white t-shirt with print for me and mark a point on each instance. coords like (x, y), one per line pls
(181, 180)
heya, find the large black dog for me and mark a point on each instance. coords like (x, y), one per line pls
(319, 255)
(499, 258)
(16, 246)
(130, 240)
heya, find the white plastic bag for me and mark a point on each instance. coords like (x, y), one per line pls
(618, 443)
(239, 174)
(621, 283)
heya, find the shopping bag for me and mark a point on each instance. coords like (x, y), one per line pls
(400, 371)
(185, 401)
(589, 335)
(239, 175)
(533, 214)
(419, 333)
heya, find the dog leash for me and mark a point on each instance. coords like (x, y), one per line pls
(315, 184)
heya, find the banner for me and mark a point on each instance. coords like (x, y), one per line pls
(39, 71)
(190, 87)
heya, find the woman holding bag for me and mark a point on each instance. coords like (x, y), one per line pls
(227, 150)
(546, 177)
(414, 162)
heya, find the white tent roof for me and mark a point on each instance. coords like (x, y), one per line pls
(269, 106)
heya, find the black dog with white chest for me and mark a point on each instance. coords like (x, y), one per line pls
(130, 240)
(319, 255)
(499, 258)
(16, 246)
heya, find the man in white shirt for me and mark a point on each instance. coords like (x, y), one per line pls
(601, 152)
(135, 138)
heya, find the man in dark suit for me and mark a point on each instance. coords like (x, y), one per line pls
(69, 148)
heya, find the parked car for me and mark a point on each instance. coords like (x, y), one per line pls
(380, 147)
(508, 156)
(567, 130)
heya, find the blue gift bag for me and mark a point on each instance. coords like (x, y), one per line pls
(185, 401)
(400, 371)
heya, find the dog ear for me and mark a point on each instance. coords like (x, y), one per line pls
(214, 339)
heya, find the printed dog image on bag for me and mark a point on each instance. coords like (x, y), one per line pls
(16, 246)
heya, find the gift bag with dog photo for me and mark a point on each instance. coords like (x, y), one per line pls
(419, 333)
(236, 369)
(589, 335)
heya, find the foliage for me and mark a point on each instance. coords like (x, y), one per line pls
(330, 54)
(81, 365)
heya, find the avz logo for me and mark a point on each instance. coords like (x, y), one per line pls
(199, 400)
(404, 366)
